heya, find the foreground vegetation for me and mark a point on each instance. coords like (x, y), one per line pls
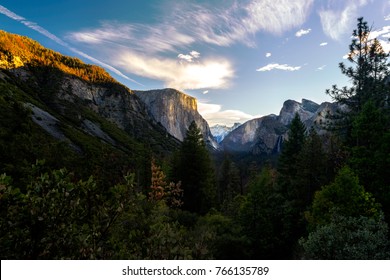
(325, 197)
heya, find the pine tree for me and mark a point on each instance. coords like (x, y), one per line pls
(229, 181)
(195, 171)
(312, 166)
(287, 168)
(368, 73)
(260, 217)
(288, 185)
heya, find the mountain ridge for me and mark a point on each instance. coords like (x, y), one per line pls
(265, 135)
(69, 91)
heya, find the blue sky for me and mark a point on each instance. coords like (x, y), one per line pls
(240, 58)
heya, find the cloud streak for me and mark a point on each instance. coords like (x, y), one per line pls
(336, 21)
(276, 66)
(190, 23)
(321, 68)
(46, 33)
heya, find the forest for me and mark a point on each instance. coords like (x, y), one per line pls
(326, 196)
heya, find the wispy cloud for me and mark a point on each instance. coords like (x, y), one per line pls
(321, 68)
(276, 66)
(190, 23)
(302, 32)
(323, 44)
(337, 21)
(214, 114)
(387, 18)
(43, 31)
(268, 54)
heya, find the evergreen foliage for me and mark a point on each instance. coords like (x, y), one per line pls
(287, 168)
(348, 238)
(196, 173)
(345, 196)
(368, 73)
(260, 217)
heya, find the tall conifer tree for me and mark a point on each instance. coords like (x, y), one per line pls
(196, 173)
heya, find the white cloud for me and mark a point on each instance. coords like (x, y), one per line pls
(276, 66)
(208, 73)
(185, 57)
(324, 44)
(383, 32)
(387, 18)
(321, 68)
(337, 22)
(385, 45)
(302, 32)
(195, 54)
(214, 114)
(43, 31)
(189, 57)
(268, 54)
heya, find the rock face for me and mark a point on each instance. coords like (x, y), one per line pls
(112, 101)
(266, 134)
(175, 111)
(306, 109)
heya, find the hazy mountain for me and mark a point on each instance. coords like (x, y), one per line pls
(219, 132)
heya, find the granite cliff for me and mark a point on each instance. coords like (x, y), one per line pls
(175, 111)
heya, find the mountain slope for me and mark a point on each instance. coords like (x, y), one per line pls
(64, 84)
(70, 114)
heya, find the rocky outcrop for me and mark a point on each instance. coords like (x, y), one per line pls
(305, 110)
(257, 135)
(266, 134)
(175, 111)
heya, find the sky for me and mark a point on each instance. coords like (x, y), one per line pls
(240, 59)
